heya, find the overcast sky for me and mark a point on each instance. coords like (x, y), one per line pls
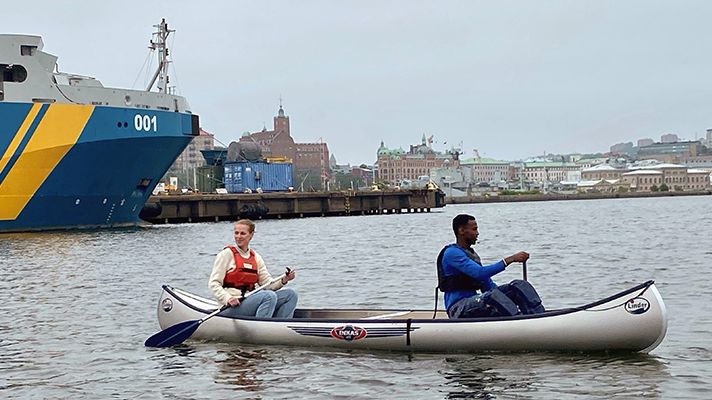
(510, 78)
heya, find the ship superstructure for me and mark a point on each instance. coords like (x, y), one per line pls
(76, 154)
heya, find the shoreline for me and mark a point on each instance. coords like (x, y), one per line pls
(571, 196)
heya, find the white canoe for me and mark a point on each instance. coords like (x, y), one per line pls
(632, 320)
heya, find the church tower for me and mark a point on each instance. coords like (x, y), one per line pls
(281, 122)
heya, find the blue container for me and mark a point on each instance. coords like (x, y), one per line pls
(270, 177)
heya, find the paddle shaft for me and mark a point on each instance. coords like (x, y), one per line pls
(257, 289)
(524, 270)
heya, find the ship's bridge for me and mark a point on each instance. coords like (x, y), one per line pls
(27, 74)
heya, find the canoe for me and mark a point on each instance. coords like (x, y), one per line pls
(633, 320)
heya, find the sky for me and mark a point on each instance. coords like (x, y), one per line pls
(513, 79)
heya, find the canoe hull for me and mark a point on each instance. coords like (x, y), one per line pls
(634, 320)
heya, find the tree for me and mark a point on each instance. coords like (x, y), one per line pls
(664, 188)
(654, 188)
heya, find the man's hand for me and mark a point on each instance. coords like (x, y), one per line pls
(521, 257)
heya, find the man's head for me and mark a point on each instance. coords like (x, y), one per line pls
(465, 228)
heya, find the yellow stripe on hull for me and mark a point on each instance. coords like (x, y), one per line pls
(19, 135)
(55, 135)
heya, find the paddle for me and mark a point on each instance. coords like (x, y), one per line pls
(179, 332)
(524, 270)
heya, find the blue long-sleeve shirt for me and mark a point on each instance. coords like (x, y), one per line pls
(455, 261)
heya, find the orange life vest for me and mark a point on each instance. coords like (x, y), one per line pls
(244, 276)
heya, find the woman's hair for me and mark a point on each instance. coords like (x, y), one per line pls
(248, 223)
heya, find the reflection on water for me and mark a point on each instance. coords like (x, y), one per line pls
(240, 368)
(475, 378)
(535, 375)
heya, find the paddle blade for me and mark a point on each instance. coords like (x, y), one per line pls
(173, 335)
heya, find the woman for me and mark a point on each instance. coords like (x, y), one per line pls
(237, 271)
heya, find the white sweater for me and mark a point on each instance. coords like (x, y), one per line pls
(225, 262)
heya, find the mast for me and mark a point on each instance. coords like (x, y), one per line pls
(158, 42)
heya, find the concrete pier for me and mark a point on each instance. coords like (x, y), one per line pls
(180, 208)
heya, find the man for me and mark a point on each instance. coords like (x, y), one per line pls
(461, 275)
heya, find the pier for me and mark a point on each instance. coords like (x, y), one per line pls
(570, 196)
(181, 208)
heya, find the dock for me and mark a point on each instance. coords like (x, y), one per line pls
(203, 207)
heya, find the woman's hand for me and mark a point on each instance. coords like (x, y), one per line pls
(290, 275)
(233, 301)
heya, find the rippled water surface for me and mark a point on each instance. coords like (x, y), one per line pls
(77, 306)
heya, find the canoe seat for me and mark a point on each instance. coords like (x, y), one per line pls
(391, 315)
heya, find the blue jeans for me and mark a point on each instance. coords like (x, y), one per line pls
(266, 304)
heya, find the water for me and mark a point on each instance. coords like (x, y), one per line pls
(77, 306)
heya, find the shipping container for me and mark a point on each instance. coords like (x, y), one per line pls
(269, 177)
(209, 178)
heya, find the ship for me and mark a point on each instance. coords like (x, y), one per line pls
(76, 154)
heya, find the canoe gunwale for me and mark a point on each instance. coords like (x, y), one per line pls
(643, 287)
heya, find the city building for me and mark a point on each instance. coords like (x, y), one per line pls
(642, 180)
(584, 163)
(698, 179)
(669, 138)
(675, 177)
(364, 173)
(397, 164)
(549, 171)
(312, 158)
(191, 157)
(700, 161)
(645, 142)
(601, 171)
(488, 169)
(669, 152)
(622, 148)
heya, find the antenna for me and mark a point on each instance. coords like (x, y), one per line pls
(159, 43)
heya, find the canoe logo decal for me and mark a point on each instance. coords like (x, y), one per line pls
(637, 305)
(348, 333)
(167, 305)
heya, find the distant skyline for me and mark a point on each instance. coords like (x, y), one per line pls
(512, 79)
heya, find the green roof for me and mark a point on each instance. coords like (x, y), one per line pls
(482, 160)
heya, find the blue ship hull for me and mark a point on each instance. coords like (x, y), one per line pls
(68, 166)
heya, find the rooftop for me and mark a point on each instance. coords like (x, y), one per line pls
(643, 172)
(600, 167)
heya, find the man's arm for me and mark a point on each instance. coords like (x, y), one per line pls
(457, 259)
